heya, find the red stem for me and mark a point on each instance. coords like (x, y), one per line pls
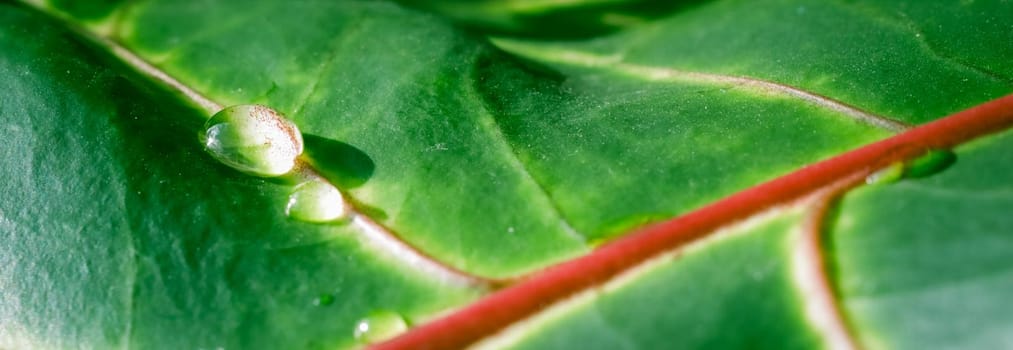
(507, 306)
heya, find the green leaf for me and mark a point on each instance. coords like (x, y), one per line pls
(481, 158)
(118, 230)
(544, 163)
(551, 19)
(733, 291)
(925, 262)
(893, 59)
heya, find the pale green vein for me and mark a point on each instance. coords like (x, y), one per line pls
(938, 54)
(326, 66)
(380, 237)
(904, 23)
(138, 64)
(206, 32)
(490, 123)
(650, 73)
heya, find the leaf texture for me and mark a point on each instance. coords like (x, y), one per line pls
(498, 150)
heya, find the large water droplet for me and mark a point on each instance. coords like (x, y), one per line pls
(316, 201)
(253, 139)
(380, 326)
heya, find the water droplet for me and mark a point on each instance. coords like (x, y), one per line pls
(323, 300)
(930, 163)
(886, 175)
(379, 326)
(253, 139)
(316, 201)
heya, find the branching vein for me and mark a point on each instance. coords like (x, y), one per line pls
(650, 73)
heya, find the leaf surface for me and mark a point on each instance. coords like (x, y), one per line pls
(924, 262)
(120, 231)
(545, 161)
(735, 290)
(497, 156)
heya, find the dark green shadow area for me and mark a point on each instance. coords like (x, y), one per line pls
(87, 10)
(616, 152)
(925, 263)
(583, 20)
(344, 164)
(117, 230)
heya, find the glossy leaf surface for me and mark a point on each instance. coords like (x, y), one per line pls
(941, 282)
(120, 231)
(544, 161)
(497, 156)
(734, 291)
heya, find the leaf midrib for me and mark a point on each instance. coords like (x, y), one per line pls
(384, 238)
(198, 99)
(520, 301)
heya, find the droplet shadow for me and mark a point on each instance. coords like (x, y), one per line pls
(341, 163)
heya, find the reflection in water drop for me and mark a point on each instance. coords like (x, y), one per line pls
(253, 139)
(379, 326)
(316, 201)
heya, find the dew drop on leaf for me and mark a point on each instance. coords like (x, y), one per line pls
(890, 174)
(379, 326)
(316, 201)
(253, 139)
(930, 163)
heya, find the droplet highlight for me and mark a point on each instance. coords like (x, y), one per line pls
(316, 201)
(379, 326)
(890, 174)
(253, 139)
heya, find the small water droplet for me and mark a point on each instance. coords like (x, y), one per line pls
(380, 326)
(316, 201)
(323, 300)
(930, 163)
(253, 139)
(510, 229)
(886, 175)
